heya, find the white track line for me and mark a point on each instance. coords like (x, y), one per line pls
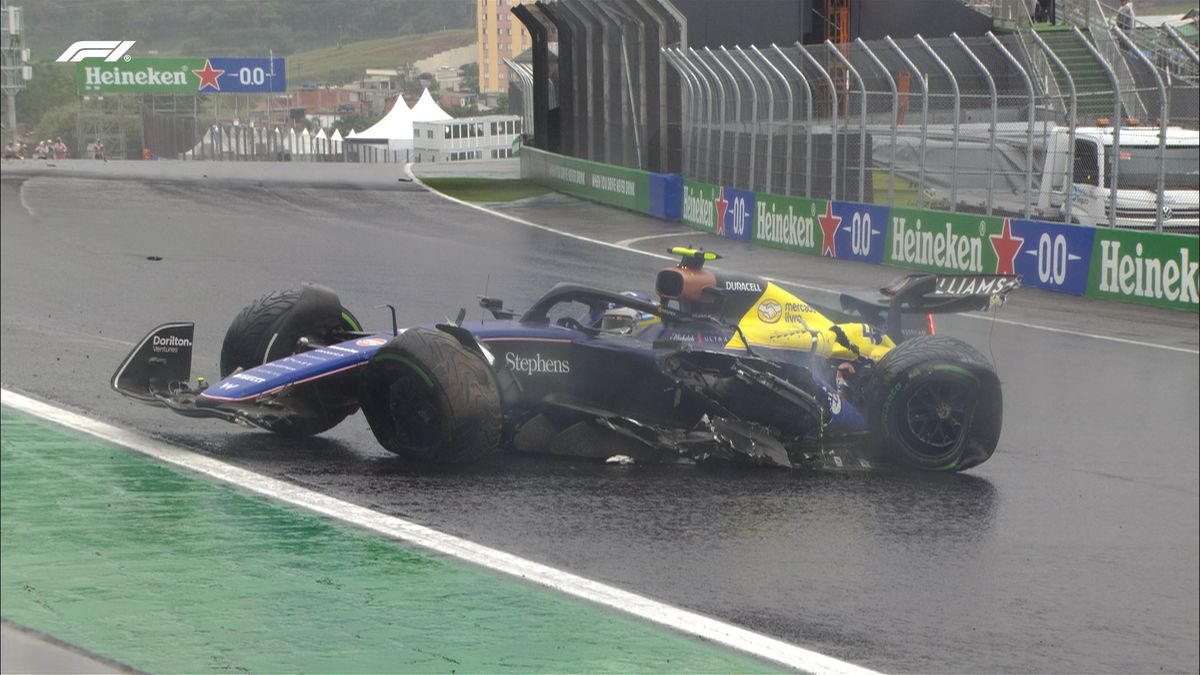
(622, 245)
(740, 639)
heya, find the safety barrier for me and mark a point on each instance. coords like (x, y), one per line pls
(1142, 267)
(653, 194)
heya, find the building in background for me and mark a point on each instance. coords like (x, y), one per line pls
(499, 35)
(486, 137)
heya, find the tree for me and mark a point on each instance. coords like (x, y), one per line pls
(501, 107)
(470, 77)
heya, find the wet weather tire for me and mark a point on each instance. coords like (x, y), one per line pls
(937, 405)
(270, 328)
(429, 398)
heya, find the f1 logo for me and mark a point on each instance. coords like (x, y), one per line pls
(109, 50)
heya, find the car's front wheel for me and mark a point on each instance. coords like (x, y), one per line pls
(272, 328)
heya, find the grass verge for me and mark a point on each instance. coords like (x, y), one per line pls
(486, 189)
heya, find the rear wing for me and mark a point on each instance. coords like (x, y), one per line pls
(925, 294)
(160, 365)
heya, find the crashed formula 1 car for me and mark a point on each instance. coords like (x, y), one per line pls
(721, 366)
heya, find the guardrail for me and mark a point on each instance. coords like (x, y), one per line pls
(1142, 267)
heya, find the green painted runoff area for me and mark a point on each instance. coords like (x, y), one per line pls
(168, 572)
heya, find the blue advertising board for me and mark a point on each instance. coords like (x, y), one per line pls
(248, 75)
(735, 214)
(1053, 256)
(858, 231)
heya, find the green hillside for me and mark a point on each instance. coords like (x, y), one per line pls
(346, 62)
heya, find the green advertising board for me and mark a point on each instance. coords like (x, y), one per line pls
(139, 75)
(958, 243)
(1145, 267)
(789, 223)
(699, 208)
(179, 75)
(613, 185)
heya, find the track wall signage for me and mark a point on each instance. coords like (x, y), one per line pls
(170, 75)
(1143, 267)
(613, 185)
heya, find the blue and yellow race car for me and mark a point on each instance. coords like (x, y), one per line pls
(718, 367)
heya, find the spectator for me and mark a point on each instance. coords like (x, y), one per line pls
(9, 151)
(60, 148)
(98, 149)
(39, 150)
(1125, 17)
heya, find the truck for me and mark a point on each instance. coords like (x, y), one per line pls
(1084, 178)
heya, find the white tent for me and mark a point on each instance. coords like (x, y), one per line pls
(305, 143)
(320, 143)
(395, 128)
(336, 140)
(427, 109)
(352, 134)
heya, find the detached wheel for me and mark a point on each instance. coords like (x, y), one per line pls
(271, 327)
(938, 404)
(429, 398)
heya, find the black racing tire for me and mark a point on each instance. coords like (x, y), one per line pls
(937, 405)
(269, 329)
(429, 398)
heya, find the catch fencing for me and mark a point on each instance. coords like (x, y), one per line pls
(956, 124)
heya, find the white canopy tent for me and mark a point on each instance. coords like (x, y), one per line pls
(395, 129)
(427, 109)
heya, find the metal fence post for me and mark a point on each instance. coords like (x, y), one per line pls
(721, 131)
(992, 132)
(770, 164)
(1070, 168)
(862, 124)
(692, 148)
(957, 116)
(1114, 166)
(700, 78)
(1029, 139)
(1162, 130)
(737, 107)
(791, 107)
(833, 97)
(923, 79)
(895, 117)
(750, 182)
(808, 99)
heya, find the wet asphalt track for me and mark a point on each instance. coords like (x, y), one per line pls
(1074, 549)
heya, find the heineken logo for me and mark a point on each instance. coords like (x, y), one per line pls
(94, 77)
(943, 248)
(787, 228)
(1133, 273)
(698, 210)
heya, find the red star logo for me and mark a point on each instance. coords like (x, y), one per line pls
(722, 207)
(1006, 247)
(208, 76)
(829, 225)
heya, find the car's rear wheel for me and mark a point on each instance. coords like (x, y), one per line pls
(272, 328)
(937, 405)
(429, 398)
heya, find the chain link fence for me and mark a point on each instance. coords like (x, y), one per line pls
(1024, 124)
